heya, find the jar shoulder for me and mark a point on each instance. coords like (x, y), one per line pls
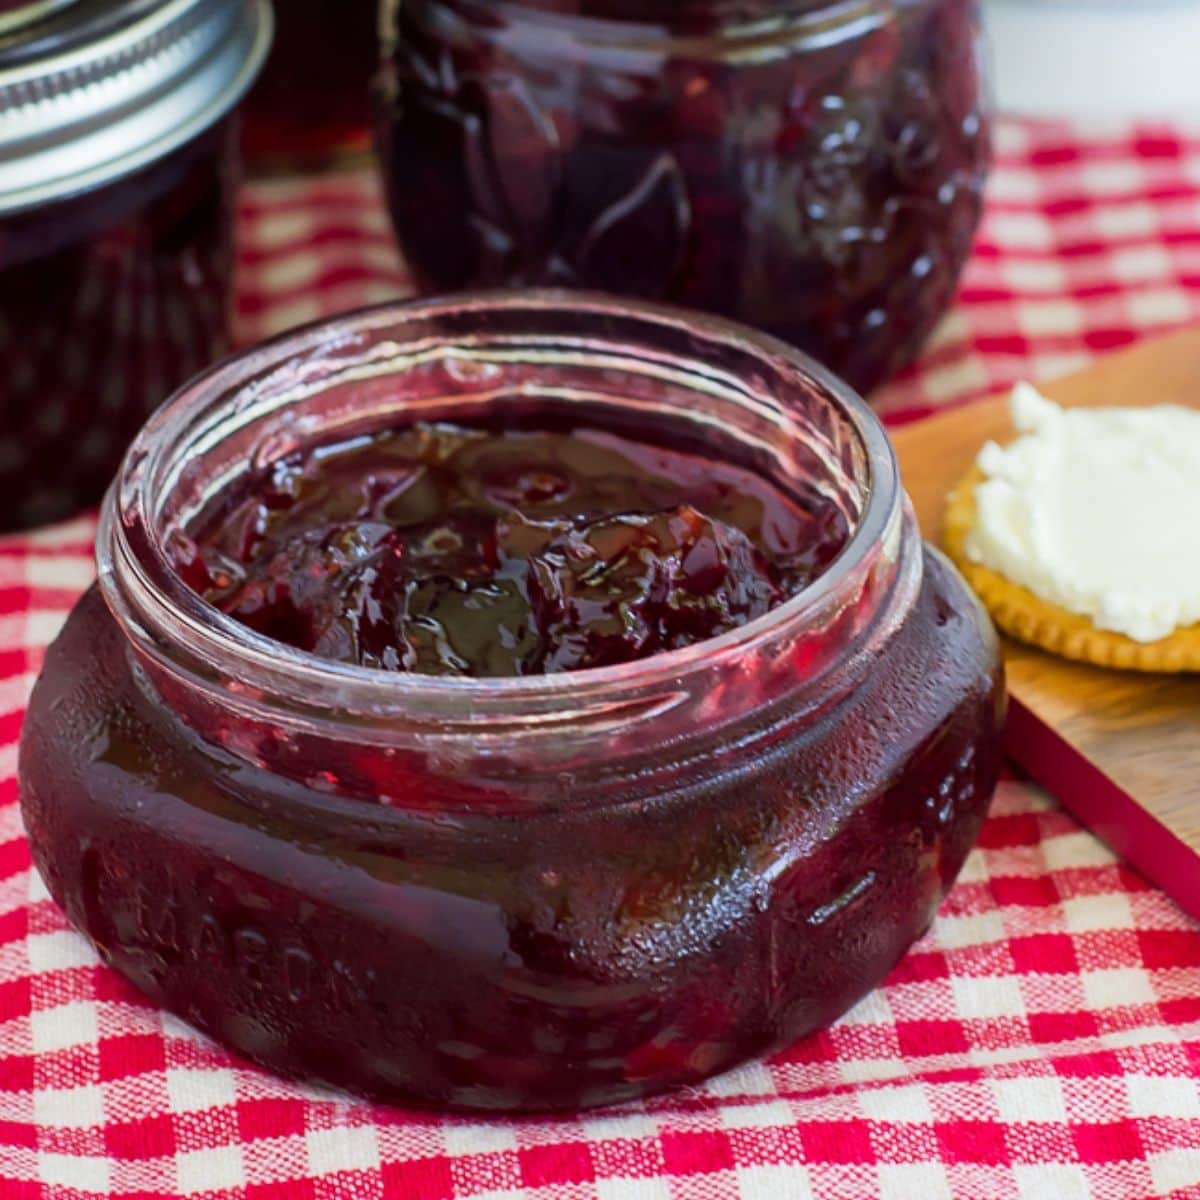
(91, 721)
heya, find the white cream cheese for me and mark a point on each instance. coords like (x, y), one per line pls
(1097, 510)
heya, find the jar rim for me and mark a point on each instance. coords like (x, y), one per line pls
(148, 596)
(686, 27)
(644, 12)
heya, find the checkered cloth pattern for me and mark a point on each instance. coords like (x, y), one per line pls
(1041, 1041)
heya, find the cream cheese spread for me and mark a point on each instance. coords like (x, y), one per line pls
(1096, 510)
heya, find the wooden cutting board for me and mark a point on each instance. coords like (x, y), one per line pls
(1120, 750)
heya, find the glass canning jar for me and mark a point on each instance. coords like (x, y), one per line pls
(525, 892)
(811, 167)
(117, 172)
(312, 100)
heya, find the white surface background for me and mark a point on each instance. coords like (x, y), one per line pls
(1098, 60)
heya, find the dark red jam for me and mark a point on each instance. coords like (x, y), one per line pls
(313, 96)
(108, 302)
(812, 169)
(539, 891)
(455, 551)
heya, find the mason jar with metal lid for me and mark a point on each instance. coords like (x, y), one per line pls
(118, 163)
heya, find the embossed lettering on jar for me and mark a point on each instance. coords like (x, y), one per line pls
(518, 891)
(812, 168)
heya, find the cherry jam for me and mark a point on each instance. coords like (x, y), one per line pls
(755, 736)
(814, 169)
(482, 552)
(313, 96)
(108, 302)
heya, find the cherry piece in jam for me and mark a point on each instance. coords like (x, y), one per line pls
(454, 551)
(619, 588)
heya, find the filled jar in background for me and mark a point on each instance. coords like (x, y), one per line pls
(312, 101)
(528, 891)
(812, 168)
(116, 229)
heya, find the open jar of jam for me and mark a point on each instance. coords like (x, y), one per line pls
(518, 701)
(118, 162)
(312, 101)
(811, 167)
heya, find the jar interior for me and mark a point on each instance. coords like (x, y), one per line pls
(462, 369)
(508, 356)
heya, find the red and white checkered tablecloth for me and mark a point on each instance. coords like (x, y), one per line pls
(1042, 1041)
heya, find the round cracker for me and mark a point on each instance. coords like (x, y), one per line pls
(1028, 618)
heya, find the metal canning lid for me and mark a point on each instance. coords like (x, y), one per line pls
(14, 14)
(95, 90)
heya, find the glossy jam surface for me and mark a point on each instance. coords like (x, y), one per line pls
(108, 302)
(313, 96)
(479, 552)
(819, 177)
